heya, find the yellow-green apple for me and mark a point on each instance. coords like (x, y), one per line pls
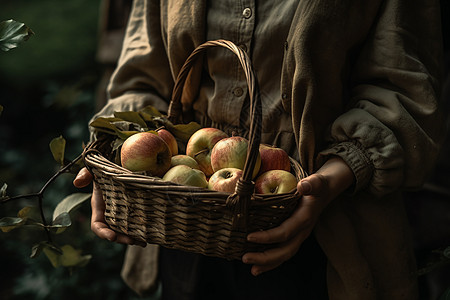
(182, 159)
(186, 175)
(225, 180)
(169, 139)
(275, 182)
(145, 151)
(273, 158)
(232, 153)
(200, 144)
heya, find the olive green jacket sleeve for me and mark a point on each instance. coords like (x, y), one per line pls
(366, 88)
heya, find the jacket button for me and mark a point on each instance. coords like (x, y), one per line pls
(238, 92)
(247, 13)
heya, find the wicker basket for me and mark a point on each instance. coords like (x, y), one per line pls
(190, 218)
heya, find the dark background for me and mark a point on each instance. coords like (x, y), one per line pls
(51, 85)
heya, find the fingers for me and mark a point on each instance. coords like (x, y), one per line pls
(274, 257)
(102, 230)
(83, 178)
(98, 223)
(301, 219)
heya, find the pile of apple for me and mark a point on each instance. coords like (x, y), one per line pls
(213, 160)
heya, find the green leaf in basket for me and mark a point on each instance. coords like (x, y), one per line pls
(12, 33)
(149, 112)
(180, 131)
(126, 134)
(184, 131)
(70, 203)
(131, 116)
(105, 125)
(58, 147)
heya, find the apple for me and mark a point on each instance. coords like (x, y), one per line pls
(232, 153)
(200, 144)
(275, 182)
(273, 158)
(145, 151)
(186, 175)
(182, 159)
(225, 180)
(169, 139)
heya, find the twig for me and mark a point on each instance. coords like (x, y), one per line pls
(40, 194)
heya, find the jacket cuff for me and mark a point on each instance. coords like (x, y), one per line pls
(353, 154)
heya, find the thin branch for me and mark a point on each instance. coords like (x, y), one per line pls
(40, 194)
(26, 196)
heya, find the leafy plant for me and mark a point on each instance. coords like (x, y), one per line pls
(12, 33)
(28, 217)
(121, 126)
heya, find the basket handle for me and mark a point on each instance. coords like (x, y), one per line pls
(239, 201)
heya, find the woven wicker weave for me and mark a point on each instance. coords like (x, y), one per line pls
(190, 218)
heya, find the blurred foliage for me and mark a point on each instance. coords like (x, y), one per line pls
(47, 89)
(12, 33)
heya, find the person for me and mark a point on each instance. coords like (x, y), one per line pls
(349, 88)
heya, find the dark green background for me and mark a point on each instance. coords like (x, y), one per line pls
(47, 89)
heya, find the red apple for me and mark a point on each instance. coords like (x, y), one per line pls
(169, 139)
(225, 180)
(275, 182)
(186, 175)
(186, 160)
(145, 151)
(232, 153)
(200, 145)
(273, 158)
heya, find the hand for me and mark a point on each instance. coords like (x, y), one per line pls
(316, 190)
(98, 223)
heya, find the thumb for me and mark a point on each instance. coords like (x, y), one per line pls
(83, 178)
(310, 185)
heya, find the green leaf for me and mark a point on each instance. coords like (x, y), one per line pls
(61, 223)
(29, 213)
(131, 116)
(180, 131)
(105, 124)
(446, 252)
(69, 203)
(12, 33)
(53, 254)
(9, 223)
(3, 191)
(58, 147)
(149, 112)
(70, 257)
(108, 125)
(37, 249)
(445, 295)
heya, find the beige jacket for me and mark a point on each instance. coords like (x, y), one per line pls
(360, 79)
